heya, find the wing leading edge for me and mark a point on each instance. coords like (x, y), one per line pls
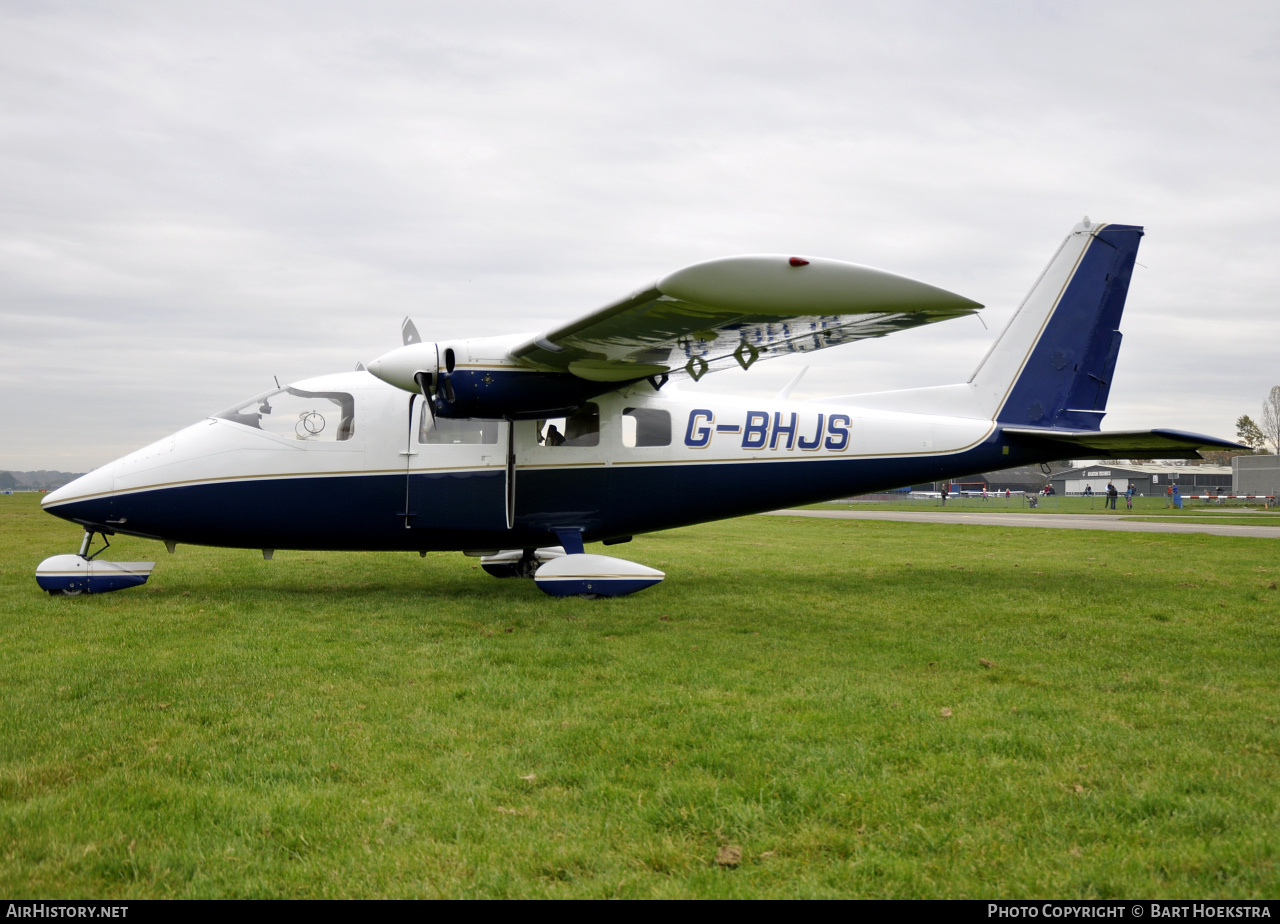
(735, 311)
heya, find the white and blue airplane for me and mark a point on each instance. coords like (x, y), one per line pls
(520, 449)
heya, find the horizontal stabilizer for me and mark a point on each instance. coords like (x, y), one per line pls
(1119, 444)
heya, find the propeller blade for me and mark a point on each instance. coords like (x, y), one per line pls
(423, 379)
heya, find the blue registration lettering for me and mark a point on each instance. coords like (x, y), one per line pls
(756, 431)
(838, 432)
(698, 435)
(817, 436)
(778, 429)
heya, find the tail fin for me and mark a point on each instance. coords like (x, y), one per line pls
(1052, 366)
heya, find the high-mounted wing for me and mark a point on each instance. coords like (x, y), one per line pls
(737, 310)
(1119, 444)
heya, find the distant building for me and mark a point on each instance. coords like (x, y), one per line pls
(1022, 479)
(1256, 475)
(1146, 478)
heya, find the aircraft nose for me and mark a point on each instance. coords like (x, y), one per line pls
(97, 482)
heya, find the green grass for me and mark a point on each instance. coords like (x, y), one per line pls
(380, 725)
(1217, 520)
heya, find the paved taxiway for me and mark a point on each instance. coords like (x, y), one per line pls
(1115, 522)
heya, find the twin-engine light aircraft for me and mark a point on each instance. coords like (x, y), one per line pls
(521, 449)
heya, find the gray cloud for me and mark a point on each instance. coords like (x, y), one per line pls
(199, 198)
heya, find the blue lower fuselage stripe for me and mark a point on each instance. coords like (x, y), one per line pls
(467, 510)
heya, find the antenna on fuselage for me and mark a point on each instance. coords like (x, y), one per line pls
(790, 386)
(277, 378)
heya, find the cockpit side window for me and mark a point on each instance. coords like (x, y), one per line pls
(450, 431)
(642, 426)
(314, 416)
(582, 429)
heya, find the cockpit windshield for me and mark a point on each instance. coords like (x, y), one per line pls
(318, 416)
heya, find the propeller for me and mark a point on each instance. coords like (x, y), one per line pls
(414, 367)
(424, 380)
(424, 385)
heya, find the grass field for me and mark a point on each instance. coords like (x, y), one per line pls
(810, 691)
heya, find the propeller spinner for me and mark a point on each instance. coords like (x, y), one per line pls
(415, 367)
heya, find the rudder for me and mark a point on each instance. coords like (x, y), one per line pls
(1052, 365)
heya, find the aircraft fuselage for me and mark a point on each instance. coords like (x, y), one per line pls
(379, 475)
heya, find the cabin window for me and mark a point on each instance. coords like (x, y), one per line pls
(314, 416)
(642, 426)
(580, 429)
(445, 431)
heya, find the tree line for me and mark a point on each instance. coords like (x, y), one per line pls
(1259, 435)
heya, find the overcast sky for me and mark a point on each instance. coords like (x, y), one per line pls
(197, 197)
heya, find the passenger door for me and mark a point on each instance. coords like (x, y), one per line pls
(456, 473)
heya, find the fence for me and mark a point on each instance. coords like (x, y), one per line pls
(993, 500)
(1076, 503)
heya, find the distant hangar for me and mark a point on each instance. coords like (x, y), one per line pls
(1147, 479)
(1256, 475)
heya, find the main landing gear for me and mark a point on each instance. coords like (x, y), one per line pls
(519, 563)
(72, 575)
(567, 571)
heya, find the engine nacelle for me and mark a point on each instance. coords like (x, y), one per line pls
(515, 395)
(490, 392)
